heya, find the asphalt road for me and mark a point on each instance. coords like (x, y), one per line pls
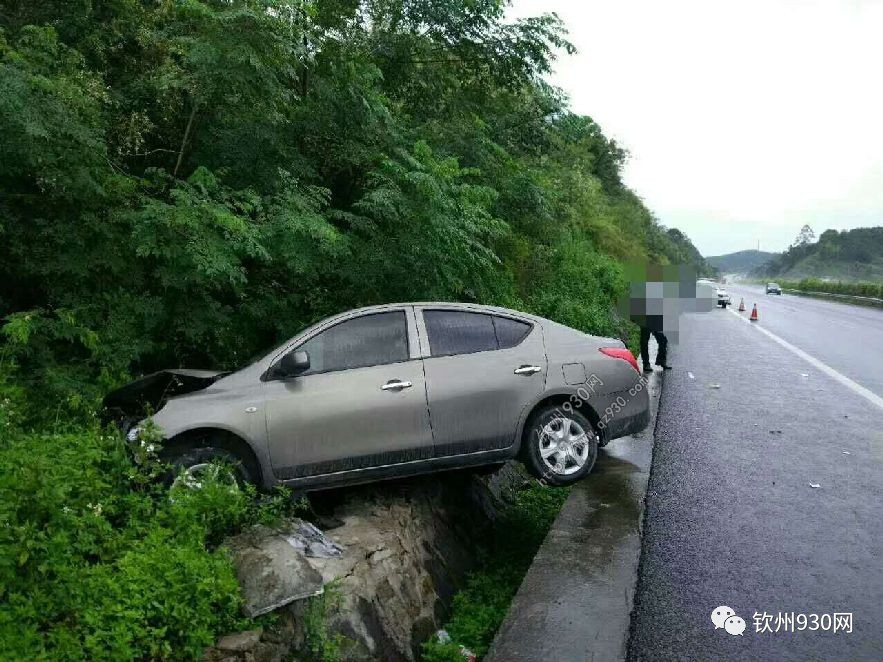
(745, 428)
(847, 337)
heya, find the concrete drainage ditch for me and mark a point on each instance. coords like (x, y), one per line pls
(398, 553)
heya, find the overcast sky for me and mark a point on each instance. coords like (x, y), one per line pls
(744, 119)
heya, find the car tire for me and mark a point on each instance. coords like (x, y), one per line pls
(543, 436)
(189, 462)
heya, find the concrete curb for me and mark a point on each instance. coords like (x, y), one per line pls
(575, 601)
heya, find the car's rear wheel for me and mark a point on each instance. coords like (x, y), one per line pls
(560, 446)
(192, 467)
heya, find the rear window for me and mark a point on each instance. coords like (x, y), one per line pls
(460, 332)
(457, 332)
(510, 332)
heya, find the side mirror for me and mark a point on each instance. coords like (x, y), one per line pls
(294, 363)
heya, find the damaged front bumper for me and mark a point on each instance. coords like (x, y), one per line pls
(132, 403)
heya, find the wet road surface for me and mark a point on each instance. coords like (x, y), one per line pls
(575, 601)
(847, 337)
(745, 427)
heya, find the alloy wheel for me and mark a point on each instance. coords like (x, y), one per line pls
(564, 446)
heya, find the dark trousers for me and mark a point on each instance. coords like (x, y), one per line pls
(661, 340)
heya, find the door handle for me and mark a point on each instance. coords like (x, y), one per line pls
(527, 370)
(395, 385)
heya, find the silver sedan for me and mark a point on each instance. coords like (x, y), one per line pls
(396, 390)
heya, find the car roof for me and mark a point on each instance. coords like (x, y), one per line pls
(455, 305)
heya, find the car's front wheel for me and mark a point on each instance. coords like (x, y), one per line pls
(560, 446)
(192, 467)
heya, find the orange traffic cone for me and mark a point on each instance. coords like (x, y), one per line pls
(741, 305)
(753, 317)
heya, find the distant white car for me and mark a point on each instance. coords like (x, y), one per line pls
(719, 293)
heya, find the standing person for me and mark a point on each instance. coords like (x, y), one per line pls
(655, 299)
(653, 324)
(657, 295)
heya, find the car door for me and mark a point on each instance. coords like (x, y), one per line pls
(362, 403)
(482, 370)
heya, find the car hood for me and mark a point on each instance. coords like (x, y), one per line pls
(149, 393)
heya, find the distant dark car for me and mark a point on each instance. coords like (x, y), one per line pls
(773, 288)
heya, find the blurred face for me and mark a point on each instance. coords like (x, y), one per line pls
(658, 294)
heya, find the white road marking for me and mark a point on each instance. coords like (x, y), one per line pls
(855, 387)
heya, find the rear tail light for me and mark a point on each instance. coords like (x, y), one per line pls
(621, 353)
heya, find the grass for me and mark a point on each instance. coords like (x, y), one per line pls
(479, 608)
(320, 645)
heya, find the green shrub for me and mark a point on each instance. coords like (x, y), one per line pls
(874, 290)
(321, 646)
(166, 597)
(96, 562)
(579, 287)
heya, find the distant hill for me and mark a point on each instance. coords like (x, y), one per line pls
(850, 255)
(740, 262)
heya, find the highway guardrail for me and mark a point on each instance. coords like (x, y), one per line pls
(866, 301)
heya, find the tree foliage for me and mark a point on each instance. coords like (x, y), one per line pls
(804, 237)
(849, 255)
(187, 182)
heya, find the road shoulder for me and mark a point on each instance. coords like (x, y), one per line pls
(576, 599)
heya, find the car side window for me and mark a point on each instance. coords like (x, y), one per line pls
(375, 339)
(459, 332)
(510, 332)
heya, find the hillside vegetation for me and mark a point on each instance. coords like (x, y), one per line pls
(186, 183)
(189, 182)
(849, 255)
(740, 262)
